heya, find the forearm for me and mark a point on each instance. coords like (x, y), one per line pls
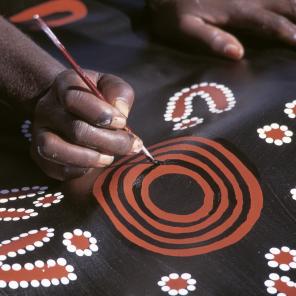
(26, 71)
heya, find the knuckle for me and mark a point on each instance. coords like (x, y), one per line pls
(71, 99)
(80, 131)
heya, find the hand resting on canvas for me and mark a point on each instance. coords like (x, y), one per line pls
(196, 22)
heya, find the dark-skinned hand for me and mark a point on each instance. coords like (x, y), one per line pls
(74, 131)
(201, 21)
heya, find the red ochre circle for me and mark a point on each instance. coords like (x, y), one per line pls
(177, 146)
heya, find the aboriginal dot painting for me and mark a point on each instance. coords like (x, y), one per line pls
(214, 216)
(231, 198)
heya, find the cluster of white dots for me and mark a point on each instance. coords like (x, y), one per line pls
(289, 110)
(30, 247)
(21, 193)
(287, 134)
(46, 282)
(28, 214)
(273, 252)
(74, 249)
(25, 128)
(190, 284)
(58, 197)
(183, 121)
(273, 278)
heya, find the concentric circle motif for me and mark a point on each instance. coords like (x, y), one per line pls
(227, 210)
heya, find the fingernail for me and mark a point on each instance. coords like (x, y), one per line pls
(122, 106)
(105, 160)
(106, 122)
(233, 51)
(118, 122)
(137, 146)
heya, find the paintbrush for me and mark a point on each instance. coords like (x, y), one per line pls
(44, 27)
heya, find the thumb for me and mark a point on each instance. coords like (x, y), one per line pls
(195, 30)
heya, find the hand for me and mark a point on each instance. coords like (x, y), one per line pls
(74, 131)
(195, 21)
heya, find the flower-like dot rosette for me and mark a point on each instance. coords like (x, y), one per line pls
(284, 258)
(293, 193)
(275, 134)
(176, 284)
(39, 273)
(48, 199)
(280, 286)
(290, 109)
(80, 242)
(26, 130)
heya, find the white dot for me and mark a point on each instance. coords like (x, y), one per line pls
(161, 283)
(165, 288)
(29, 266)
(87, 252)
(72, 276)
(183, 292)
(269, 256)
(77, 232)
(13, 285)
(273, 264)
(71, 248)
(39, 263)
(30, 248)
(269, 283)
(94, 247)
(65, 281)
(79, 253)
(24, 284)
(191, 282)
(285, 249)
(55, 282)
(275, 251)
(173, 292)
(165, 278)
(38, 244)
(21, 251)
(92, 240)
(45, 283)
(16, 266)
(2, 284)
(174, 276)
(68, 235)
(285, 279)
(191, 288)
(35, 283)
(62, 261)
(5, 267)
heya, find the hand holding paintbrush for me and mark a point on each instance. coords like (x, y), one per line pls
(74, 130)
(80, 72)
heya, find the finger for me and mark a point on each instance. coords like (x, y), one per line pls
(117, 92)
(111, 142)
(195, 30)
(53, 148)
(57, 171)
(272, 24)
(77, 99)
(283, 7)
